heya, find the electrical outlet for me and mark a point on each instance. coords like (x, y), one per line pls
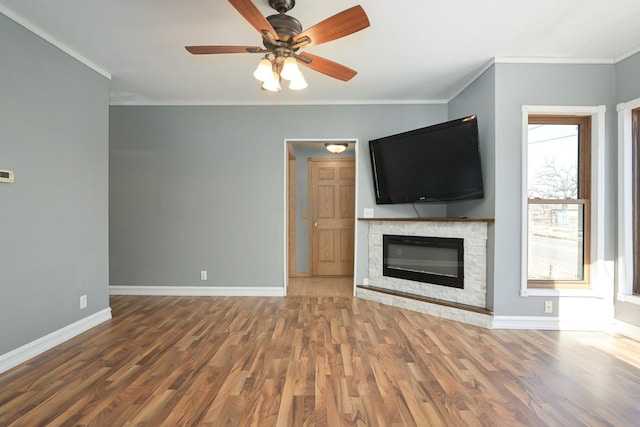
(83, 302)
(368, 212)
(203, 275)
(365, 281)
(548, 306)
(6, 176)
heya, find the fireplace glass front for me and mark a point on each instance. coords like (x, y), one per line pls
(435, 260)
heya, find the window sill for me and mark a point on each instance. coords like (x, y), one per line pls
(633, 299)
(582, 293)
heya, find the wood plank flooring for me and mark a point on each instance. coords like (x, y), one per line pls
(318, 361)
(336, 286)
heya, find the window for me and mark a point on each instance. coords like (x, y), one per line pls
(628, 268)
(558, 201)
(635, 124)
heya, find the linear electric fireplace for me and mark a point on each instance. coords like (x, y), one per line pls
(434, 260)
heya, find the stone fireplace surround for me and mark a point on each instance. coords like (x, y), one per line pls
(441, 301)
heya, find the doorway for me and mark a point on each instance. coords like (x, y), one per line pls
(321, 206)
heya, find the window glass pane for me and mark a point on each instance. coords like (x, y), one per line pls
(552, 161)
(556, 245)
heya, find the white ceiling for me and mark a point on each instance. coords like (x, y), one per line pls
(414, 50)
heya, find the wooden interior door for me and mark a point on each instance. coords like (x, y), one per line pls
(332, 204)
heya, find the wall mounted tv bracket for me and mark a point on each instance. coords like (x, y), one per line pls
(6, 176)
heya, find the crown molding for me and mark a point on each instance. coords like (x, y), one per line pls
(52, 40)
(223, 103)
(627, 54)
(551, 60)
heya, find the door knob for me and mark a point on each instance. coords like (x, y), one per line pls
(315, 224)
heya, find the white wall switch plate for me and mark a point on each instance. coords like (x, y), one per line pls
(365, 281)
(83, 302)
(368, 212)
(203, 275)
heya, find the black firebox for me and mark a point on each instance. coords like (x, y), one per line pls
(435, 260)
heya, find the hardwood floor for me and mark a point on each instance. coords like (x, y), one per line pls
(339, 286)
(318, 361)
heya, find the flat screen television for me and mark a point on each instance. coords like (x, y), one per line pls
(438, 163)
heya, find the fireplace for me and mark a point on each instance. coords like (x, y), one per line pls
(435, 260)
(428, 297)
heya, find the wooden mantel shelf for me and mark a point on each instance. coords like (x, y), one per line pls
(457, 219)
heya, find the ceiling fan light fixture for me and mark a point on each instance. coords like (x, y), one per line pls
(283, 36)
(264, 72)
(336, 147)
(298, 83)
(290, 69)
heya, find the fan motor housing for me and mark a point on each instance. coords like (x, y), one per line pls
(286, 26)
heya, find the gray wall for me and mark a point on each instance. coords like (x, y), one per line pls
(539, 84)
(627, 80)
(202, 188)
(628, 89)
(53, 234)
(498, 96)
(480, 98)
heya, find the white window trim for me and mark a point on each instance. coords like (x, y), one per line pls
(598, 279)
(625, 200)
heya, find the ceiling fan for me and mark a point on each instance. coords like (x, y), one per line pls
(283, 37)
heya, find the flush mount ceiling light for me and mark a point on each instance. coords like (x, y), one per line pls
(283, 37)
(336, 147)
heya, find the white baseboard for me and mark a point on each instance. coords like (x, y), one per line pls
(550, 324)
(34, 348)
(221, 291)
(628, 330)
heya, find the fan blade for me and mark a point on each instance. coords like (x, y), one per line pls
(208, 50)
(330, 68)
(342, 24)
(251, 13)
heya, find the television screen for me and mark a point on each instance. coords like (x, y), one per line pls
(437, 163)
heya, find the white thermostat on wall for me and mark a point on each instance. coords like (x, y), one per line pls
(6, 176)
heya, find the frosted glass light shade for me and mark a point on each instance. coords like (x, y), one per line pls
(272, 84)
(335, 148)
(290, 69)
(264, 70)
(298, 83)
